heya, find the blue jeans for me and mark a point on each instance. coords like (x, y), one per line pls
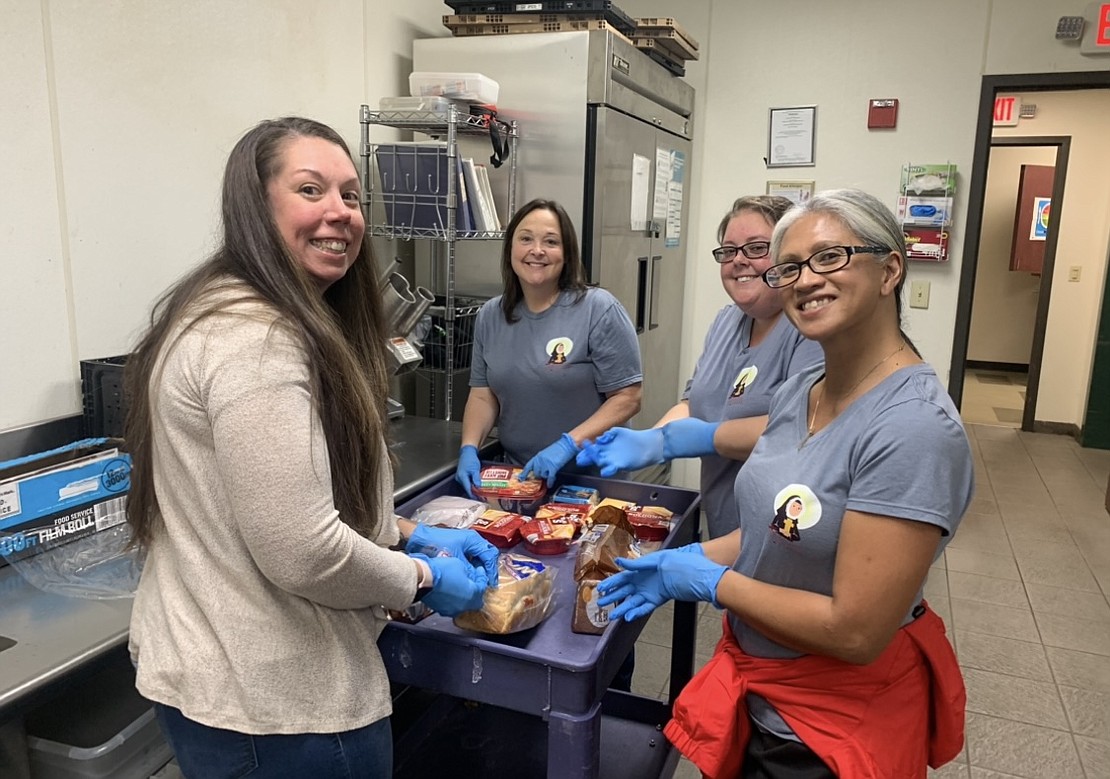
(203, 752)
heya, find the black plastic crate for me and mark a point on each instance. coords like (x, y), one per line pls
(104, 405)
(435, 341)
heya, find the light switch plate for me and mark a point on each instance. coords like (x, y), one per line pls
(919, 294)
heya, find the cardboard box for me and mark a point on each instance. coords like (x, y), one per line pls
(62, 494)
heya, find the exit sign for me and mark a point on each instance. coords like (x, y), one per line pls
(1097, 40)
(1006, 109)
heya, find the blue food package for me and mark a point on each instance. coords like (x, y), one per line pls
(572, 494)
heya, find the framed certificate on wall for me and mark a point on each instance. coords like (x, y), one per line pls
(791, 140)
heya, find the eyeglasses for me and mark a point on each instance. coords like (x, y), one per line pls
(827, 260)
(752, 250)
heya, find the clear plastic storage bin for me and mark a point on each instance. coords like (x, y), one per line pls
(472, 87)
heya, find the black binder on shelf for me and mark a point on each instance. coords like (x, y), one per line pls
(414, 189)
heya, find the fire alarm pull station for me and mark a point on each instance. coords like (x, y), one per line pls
(882, 114)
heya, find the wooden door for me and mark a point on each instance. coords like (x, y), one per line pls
(1031, 221)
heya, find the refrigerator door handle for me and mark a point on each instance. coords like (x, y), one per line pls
(653, 312)
(642, 269)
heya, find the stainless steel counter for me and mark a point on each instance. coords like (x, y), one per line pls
(56, 635)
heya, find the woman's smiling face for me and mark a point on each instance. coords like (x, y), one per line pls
(740, 276)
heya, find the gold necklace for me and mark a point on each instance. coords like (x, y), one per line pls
(821, 395)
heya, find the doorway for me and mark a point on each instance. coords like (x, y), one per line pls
(1003, 364)
(991, 87)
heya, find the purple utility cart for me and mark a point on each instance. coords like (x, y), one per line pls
(536, 703)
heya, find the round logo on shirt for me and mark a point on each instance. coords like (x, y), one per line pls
(796, 508)
(558, 349)
(744, 380)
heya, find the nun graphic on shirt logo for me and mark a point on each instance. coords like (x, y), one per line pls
(796, 508)
(558, 349)
(744, 380)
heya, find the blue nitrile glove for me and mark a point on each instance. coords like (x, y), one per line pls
(622, 449)
(689, 437)
(463, 544)
(647, 583)
(457, 586)
(469, 471)
(547, 462)
(694, 548)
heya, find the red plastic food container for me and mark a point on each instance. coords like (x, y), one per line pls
(500, 528)
(648, 526)
(502, 488)
(543, 538)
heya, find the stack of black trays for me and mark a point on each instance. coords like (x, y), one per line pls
(605, 8)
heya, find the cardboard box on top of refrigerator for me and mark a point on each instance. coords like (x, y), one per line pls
(61, 494)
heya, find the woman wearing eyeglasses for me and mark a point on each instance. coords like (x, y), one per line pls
(751, 348)
(830, 663)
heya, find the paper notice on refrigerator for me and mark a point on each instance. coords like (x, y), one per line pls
(663, 176)
(674, 213)
(641, 172)
(673, 236)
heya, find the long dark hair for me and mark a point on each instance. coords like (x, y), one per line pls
(573, 275)
(343, 332)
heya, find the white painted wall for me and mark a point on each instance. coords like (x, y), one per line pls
(1005, 308)
(118, 116)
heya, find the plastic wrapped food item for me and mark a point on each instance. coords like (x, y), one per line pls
(597, 554)
(547, 537)
(570, 493)
(500, 528)
(503, 488)
(524, 597)
(449, 511)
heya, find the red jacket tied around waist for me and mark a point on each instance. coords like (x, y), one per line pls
(883, 720)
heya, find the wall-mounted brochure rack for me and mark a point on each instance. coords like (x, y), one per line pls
(925, 209)
(426, 190)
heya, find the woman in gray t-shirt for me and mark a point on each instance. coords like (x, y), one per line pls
(830, 657)
(555, 362)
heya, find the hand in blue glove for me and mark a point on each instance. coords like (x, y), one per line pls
(468, 473)
(692, 549)
(622, 449)
(457, 586)
(547, 462)
(689, 437)
(647, 583)
(463, 544)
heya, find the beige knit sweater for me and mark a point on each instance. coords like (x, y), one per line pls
(258, 609)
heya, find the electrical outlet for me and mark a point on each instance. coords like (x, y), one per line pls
(919, 294)
(1073, 272)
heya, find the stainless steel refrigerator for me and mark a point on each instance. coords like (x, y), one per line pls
(605, 131)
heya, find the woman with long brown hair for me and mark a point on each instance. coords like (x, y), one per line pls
(262, 485)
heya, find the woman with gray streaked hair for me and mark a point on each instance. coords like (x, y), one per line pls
(830, 662)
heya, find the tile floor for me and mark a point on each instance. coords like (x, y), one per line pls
(1024, 589)
(993, 397)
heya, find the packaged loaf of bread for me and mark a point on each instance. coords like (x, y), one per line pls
(589, 618)
(523, 598)
(599, 549)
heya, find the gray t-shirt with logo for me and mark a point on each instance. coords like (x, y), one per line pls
(551, 370)
(899, 450)
(734, 380)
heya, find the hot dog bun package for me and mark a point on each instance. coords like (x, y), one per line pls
(524, 597)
